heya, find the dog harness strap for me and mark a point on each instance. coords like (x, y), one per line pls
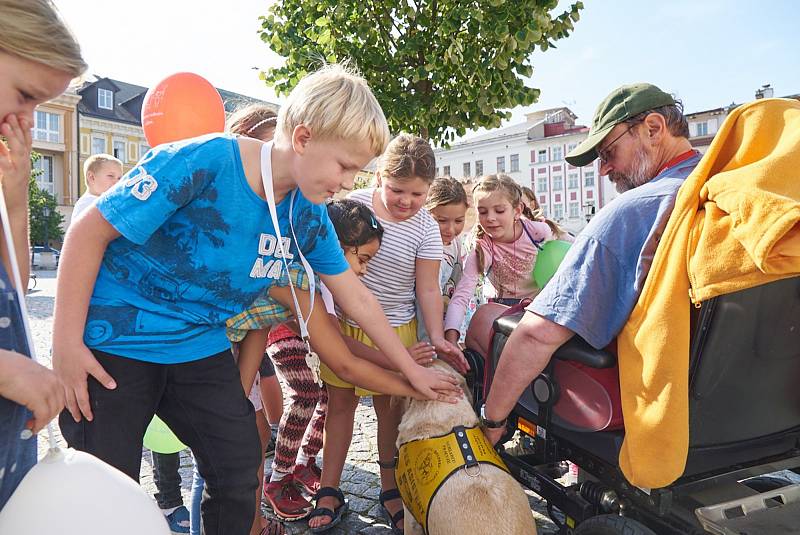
(423, 466)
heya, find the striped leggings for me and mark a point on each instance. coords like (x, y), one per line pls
(303, 422)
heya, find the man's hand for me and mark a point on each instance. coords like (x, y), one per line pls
(74, 364)
(422, 353)
(32, 385)
(434, 384)
(450, 353)
(494, 435)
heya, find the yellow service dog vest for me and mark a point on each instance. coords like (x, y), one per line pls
(424, 465)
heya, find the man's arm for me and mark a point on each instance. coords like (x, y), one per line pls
(526, 354)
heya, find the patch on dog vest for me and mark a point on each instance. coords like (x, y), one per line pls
(424, 465)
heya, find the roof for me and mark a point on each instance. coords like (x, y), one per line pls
(129, 98)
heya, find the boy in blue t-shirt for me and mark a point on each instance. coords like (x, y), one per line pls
(184, 241)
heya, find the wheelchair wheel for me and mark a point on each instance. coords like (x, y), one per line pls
(612, 525)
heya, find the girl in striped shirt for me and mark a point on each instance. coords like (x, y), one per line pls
(404, 271)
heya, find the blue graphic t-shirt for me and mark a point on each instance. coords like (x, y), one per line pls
(197, 247)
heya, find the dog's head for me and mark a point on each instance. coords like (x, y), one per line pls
(427, 418)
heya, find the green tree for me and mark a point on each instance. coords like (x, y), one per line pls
(40, 201)
(437, 67)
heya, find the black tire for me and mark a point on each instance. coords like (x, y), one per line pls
(766, 483)
(612, 525)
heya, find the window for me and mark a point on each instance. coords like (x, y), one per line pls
(467, 169)
(702, 129)
(144, 147)
(571, 147)
(501, 164)
(588, 178)
(572, 181)
(573, 210)
(105, 99)
(514, 162)
(541, 184)
(542, 156)
(45, 178)
(478, 167)
(558, 212)
(556, 153)
(46, 127)
(98, 145)
(558, 182)
(119, 151)
(446, 170)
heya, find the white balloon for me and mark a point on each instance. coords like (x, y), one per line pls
(70, 492)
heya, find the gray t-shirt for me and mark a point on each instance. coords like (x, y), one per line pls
(599, 281)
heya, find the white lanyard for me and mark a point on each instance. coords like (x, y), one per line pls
(266, 177)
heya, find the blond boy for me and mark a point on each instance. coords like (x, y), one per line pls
(152, 270)
(101, 171)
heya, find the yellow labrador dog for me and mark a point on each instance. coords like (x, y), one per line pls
(479, 499)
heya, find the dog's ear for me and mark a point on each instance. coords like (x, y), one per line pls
(401, 402)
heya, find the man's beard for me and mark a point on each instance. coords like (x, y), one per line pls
(640, 174)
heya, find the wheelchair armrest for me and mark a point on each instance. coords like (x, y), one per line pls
(506, 324)
(575, 349)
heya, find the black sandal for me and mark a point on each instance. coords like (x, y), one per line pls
(334, 514)
(395, 519)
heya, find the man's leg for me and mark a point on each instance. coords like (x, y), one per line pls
(120, 415)
(204, 404)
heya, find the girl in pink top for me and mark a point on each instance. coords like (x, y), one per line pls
(505, 251)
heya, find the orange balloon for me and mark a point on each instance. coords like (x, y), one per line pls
(181, 106)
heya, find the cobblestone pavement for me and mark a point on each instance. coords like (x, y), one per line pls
(360, 480)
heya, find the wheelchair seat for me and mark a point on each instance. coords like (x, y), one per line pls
(744, 382)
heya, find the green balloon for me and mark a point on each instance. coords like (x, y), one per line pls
(547, 261)
(160, 438)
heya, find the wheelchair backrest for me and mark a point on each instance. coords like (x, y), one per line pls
(745, 365)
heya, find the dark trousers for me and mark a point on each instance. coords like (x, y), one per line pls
(205, 406)
(167, 478)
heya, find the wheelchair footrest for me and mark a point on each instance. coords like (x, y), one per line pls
(776, 511)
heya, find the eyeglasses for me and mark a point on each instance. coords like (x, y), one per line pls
(603, 155)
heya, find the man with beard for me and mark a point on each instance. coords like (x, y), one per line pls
(640, 135)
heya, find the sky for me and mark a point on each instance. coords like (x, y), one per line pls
(708, 52)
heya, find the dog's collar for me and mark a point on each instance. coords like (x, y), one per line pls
(424, 465)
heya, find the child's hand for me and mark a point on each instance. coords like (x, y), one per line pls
(422, 353)
(15, 153)
(32, 385)
(74, 365)
(451, 354)
(435, 385)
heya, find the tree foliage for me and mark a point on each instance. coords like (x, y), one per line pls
(38, 200)
(437, 67)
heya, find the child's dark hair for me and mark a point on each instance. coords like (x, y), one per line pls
(354, 223)
(446, 190)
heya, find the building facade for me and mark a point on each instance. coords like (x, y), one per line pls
(54, 136)
(532, 153)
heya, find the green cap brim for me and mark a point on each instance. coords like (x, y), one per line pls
(586, 152)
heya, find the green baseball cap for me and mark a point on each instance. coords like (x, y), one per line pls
(622, 104)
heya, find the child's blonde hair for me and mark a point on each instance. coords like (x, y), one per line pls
(94, 162)
(408, 157)
(446, 190)
(335, 103)
(34, 30)
(254, 120)
(512, 191)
